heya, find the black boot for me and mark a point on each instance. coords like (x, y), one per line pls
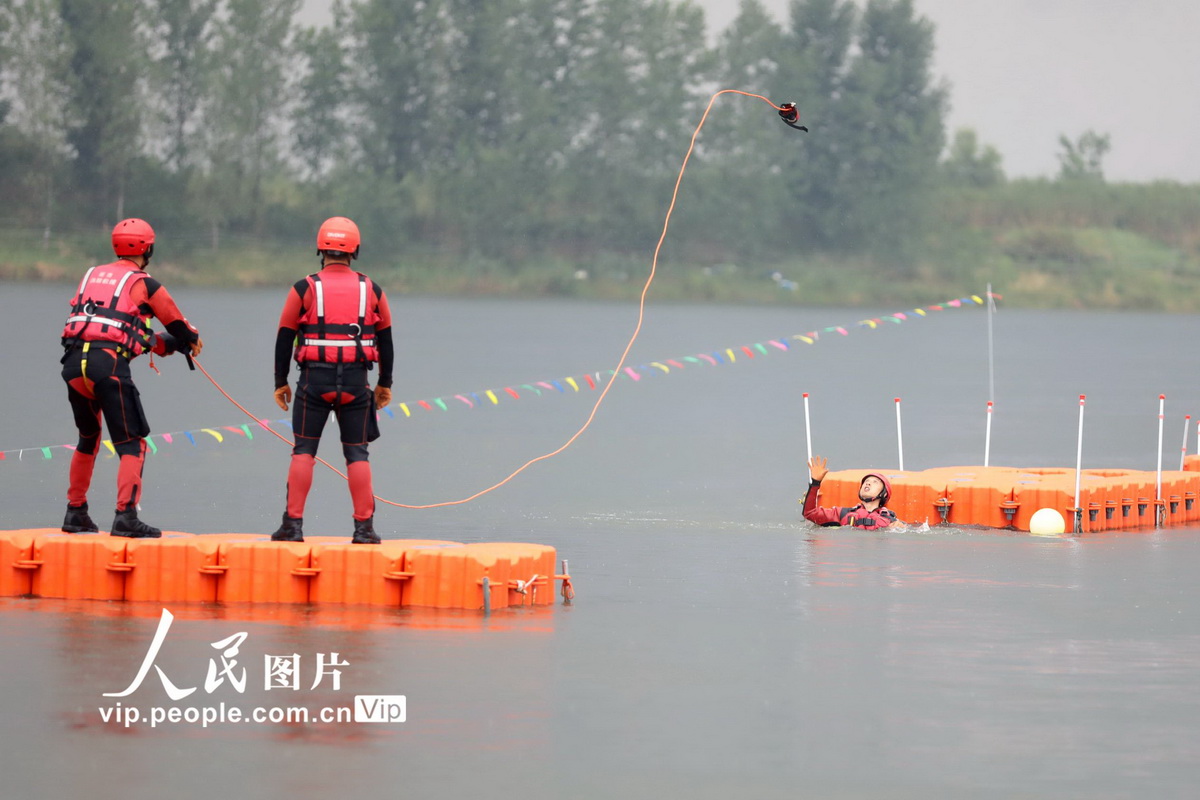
(128, 525)
(364, 531)
(78, 521)
(292, 530)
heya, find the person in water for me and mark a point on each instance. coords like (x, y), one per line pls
(337, 325)
(109, 326)
(873, 493)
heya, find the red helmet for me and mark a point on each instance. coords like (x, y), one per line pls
(884, 495)
(340, 234)
(133, 237)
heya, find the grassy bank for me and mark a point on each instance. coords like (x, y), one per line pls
(1032, 265)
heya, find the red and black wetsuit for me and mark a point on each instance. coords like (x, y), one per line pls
(858, 516)
(108, 326)
(338, 326)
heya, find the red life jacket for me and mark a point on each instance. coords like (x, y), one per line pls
(102, 311)
(860, 517)
(338, 323)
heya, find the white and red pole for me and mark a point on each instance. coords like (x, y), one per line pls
(1187, 423)
(899, 435)
(1079, 467)
(987, 439)
(1158, 504)
(807, 433)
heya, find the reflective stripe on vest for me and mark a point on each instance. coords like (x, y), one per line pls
(339, 342)
(316, 335)
(96, 318)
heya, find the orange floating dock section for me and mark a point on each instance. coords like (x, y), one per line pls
(250, 568)
(1007, 497)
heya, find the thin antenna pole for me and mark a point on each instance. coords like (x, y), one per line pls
(899, 435)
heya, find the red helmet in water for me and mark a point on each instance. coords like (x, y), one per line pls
(339, 234)
(886, 493)
(133, 237)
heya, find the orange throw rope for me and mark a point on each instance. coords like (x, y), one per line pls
(620, 363)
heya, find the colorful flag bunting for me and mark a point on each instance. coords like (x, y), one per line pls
(475, 399)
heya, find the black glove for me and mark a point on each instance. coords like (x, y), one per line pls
(184, 335)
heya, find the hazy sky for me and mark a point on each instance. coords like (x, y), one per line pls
(1022, 72)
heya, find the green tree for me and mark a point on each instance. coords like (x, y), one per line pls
(483, 40)
(890, 132)
(1083, 159)
(969, 164)
(35, 58)
(398, 87)
(743, 145)
(319, 124)
(812, 69)
(747, 58)
(478, 181)
(247, 106)
(518, 67)
(639, 103)
(182, 38)
(107, 70)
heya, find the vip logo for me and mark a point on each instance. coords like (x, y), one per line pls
(380, 708)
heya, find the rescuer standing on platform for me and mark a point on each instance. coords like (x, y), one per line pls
(337, 325)
(109, 326)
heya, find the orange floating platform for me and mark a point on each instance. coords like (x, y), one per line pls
(1007, 497)
(250, 568)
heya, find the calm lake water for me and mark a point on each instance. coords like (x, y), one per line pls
(718, 645)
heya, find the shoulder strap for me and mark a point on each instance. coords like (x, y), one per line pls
(121, 284)
(319, 299)
(87, 276)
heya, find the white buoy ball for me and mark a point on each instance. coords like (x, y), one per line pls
(1046, 522)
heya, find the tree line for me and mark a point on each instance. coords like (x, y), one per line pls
(504, 133)
(497, 128)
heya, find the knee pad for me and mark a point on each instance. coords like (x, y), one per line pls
(305, 446)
